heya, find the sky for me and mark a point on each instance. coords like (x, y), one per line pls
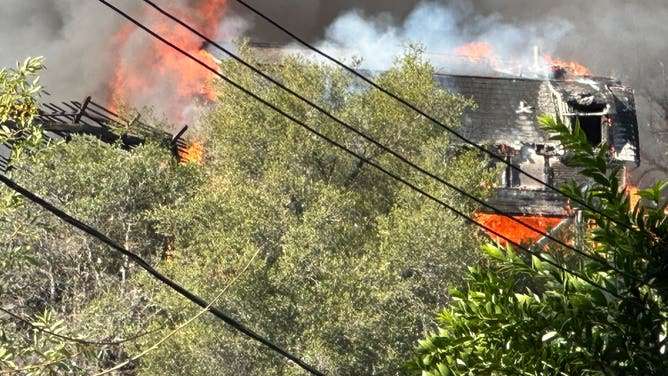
(616, 38)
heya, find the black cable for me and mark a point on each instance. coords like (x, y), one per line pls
(343, 148)
(383, 147)
(161, 277)
(427, 116)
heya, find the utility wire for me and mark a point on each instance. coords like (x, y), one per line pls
(353, 153)
(161, 277)
(423, 113)
(383, 147)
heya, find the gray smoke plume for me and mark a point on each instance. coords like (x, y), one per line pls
(77, 38)
(72, 35)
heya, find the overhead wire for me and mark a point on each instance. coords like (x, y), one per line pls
(413, 107)
(182, 325)
(236, 325)
(382, 146)
(353, 153)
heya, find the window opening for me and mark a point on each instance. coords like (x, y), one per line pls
(591, 126)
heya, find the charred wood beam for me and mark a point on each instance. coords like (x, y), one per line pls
(102, 133)
(554, 233)
(82, 110)
(178, 135)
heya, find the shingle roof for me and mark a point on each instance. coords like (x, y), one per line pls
(508, 107)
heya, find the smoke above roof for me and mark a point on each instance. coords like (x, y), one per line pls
(612, 37)
(616, 38)
(442, 31)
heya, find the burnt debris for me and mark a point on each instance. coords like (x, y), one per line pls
(60, 121)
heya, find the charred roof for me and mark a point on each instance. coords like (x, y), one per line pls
(508, 109)
(60, 121)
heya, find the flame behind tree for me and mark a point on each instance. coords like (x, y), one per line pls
(476, 51)
(193, 153)
(148, 72)
(513, 230)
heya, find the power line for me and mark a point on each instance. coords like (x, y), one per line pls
(383, 147)
(427, 116)
(353, 153)
(152, 271)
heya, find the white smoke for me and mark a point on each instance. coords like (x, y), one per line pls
(440, 29)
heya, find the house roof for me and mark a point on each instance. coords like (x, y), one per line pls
(508, 108)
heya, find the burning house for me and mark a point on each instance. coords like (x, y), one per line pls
(506, 120)
(509, 99)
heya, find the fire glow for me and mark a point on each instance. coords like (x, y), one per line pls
(147, 68)
(514, 231)
(193, 153)
(476, 51)
(571, 66)
(483, 52)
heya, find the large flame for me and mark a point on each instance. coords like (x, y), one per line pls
(514, 231)
(147, 72)
(193, 153)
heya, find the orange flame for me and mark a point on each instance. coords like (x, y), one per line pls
(146, 70)
(193, 153)
(476, 51)
(513, 230)
(571, 66)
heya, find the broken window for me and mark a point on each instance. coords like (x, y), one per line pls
(591, 126)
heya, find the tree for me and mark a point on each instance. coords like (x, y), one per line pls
(347, 264)
(51, 275)
(26, 346)
(352, 262)
(534, 318)
(73, 276)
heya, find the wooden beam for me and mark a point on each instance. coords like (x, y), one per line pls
(82, 110)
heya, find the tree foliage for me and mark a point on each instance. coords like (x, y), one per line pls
(348, 265)
(562, 324)
(51, 274)
(352, 263)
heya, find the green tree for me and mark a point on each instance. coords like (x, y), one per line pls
(50, 273)
(562, 324)
(348, 264)
(26, 346)
(352, 263)
(73, 276)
